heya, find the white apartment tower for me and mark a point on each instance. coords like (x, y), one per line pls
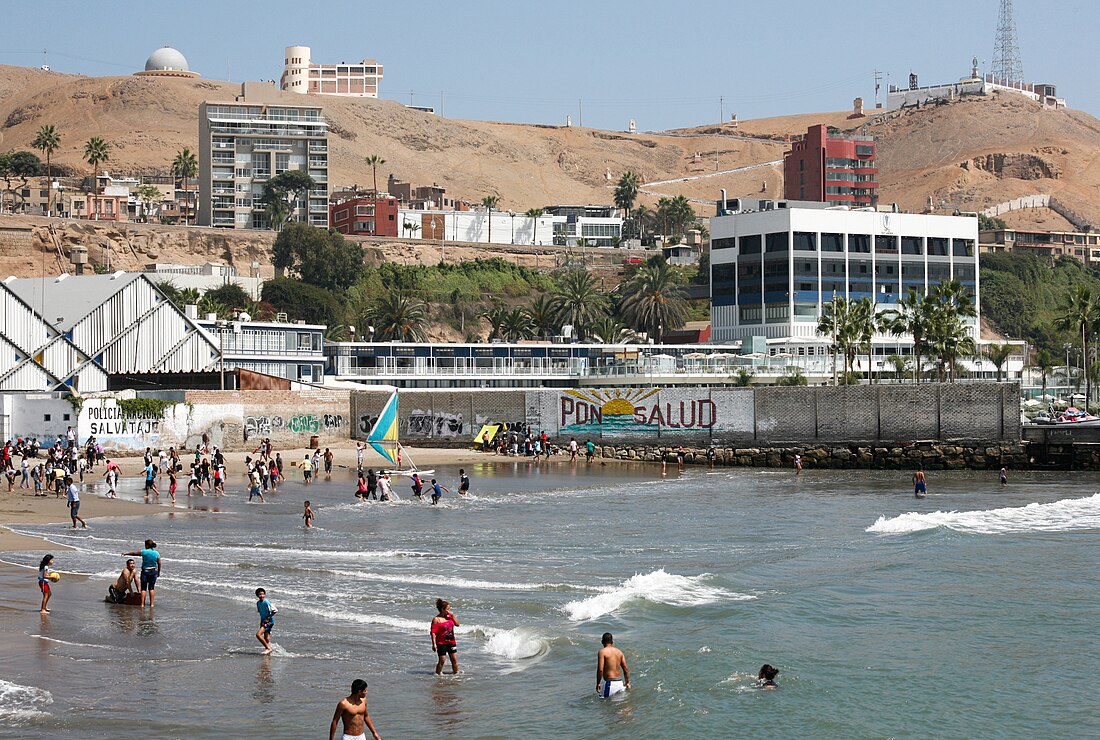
(244, 143)
(358, 80)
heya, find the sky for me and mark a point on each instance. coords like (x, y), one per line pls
(602, 62)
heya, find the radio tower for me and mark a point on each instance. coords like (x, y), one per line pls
(1007, 67)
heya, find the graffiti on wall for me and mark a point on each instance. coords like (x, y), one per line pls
(298, 424)
(632, 411)
(434, 424)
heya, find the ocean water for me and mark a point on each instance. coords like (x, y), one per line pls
(969, 613)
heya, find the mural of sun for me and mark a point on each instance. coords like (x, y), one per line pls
(614, 401)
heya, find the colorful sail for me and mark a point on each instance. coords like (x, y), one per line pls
(383, 435)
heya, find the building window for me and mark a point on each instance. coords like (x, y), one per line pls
(911, 245)
(859, 243)
(776, 242)
(962, 247)
(832, 243)
(937, 247)
(750, 244)
(886, 244)
(805, 241)
(724, 243)
(368, 226)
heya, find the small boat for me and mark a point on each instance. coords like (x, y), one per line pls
(1077, 418)
(383, 438)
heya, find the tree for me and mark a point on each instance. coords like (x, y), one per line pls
(96, 152)
(185, 166)
(321, 257)
(900, 365)
(1044, 360)
(610, 330)
(998, 354)
(913, 316)
(305, 302)
(496, 315)
(988, 223)
(577, 300)
(674, 214)
(1078, 313)
(18, 166)
(543, 316)
(743, 377)
(654, 301)
(148, 195)
(410, 227)
(374, 162)
(48, 141)
(281, 191)
(231, 295)
(490, 202)
(792, 376)
(836, 323)
(626, 191)
(951, 303)
(534, 214)
(866, 323)
(398, 318)
(517, 325)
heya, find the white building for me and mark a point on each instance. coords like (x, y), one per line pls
(499, 227)
(300, 75)
(206, 276)
(599, 226)
(120, 323)
(774, 269)
(244, 143)
(294, 351)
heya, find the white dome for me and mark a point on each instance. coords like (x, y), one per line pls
(166, 58)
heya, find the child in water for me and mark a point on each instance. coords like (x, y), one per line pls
(767, 675)
(44, 572)
(307, 515)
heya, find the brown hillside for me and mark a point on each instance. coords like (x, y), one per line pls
(972, 154)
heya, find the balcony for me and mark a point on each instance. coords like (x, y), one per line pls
(320, 163)
(224, 221)
(317, 148)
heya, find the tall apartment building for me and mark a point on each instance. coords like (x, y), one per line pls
(838, 169)
(775, 267)
(300, 75)
(244, 143)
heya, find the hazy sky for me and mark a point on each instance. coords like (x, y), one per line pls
(664, 64)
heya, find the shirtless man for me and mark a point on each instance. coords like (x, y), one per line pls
(353, 712)
(127, 582)
(612, 675)
(920, 485)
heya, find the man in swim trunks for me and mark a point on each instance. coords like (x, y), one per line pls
(612, 675)
(353, 713)
(150, 569)
(920, 486)
(127, 581)
(437, 491)
(463, 482)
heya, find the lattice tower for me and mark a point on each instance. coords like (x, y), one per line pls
(1007, 67)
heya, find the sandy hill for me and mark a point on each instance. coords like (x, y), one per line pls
(973, 153)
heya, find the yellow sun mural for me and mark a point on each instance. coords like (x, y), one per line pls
(614, 401)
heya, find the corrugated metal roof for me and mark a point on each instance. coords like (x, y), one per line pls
(65, 301)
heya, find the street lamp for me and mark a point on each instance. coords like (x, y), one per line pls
(221, 325)
(513, 216)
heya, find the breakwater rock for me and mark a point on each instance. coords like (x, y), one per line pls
(909, 456)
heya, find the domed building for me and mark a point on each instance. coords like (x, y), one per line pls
(167, 62)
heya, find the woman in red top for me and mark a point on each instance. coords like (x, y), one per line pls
(443, 636)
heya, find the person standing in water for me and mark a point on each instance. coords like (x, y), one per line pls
(150, 570)
(1004, 477)
(612, 675)
(463, 482)
(307, 515)
(44, 572)
(797, 464)
(437, 491)
(920, 485)
(443, 636)
(267, 612)
(353, 713)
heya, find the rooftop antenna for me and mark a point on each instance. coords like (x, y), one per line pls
(1006, 52)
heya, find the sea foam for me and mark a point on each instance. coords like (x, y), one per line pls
(1058, 516)
(657, 586)
(20, 704)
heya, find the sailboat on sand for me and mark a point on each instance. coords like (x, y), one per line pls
(383, 438)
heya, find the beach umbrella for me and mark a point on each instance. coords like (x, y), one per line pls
(1032, 403)
(1077, 396)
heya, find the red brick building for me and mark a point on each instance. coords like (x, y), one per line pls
(834, 168)
(365, 216)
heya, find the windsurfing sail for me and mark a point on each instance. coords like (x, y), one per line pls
(383, 435)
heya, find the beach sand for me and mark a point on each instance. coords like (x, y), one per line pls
(18, 507)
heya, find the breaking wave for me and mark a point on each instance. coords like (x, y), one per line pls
(20, 704)
(1066, 515)
(657, 586)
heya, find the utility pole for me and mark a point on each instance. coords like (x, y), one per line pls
(878, 81)
(721, 118)
(580, 112)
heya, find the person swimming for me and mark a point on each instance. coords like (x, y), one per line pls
(767, 675)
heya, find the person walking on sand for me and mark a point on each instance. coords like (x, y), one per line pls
(45, 571)
(72, 497)
(612, 675)
(352, 711)
(443, 636)
(267, 612)
(150, 569)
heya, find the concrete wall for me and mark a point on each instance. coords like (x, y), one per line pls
(232, 420)
(881, 413)
(41, 416)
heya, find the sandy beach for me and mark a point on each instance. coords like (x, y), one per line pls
(20, 507)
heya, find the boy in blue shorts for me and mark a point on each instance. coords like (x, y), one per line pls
(267, 612)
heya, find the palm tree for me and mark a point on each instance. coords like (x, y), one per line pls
(900, 365)
(743, 377)
(642, 215)
(913, 316)
(517, 325)
(96, 152)
(398, 318)
(998, 354)
(47, 141)
(577, 300)
(836, 323)
(610, 330)
(674, 214)
(951, 303)
(1044, 360)
(626, 192)
(866, 323)
(185, 166)
(1079, 313)
(534, 214)
(654, 302)
(373, 161)
(543, 316)
(490, 202)
(496, 315)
